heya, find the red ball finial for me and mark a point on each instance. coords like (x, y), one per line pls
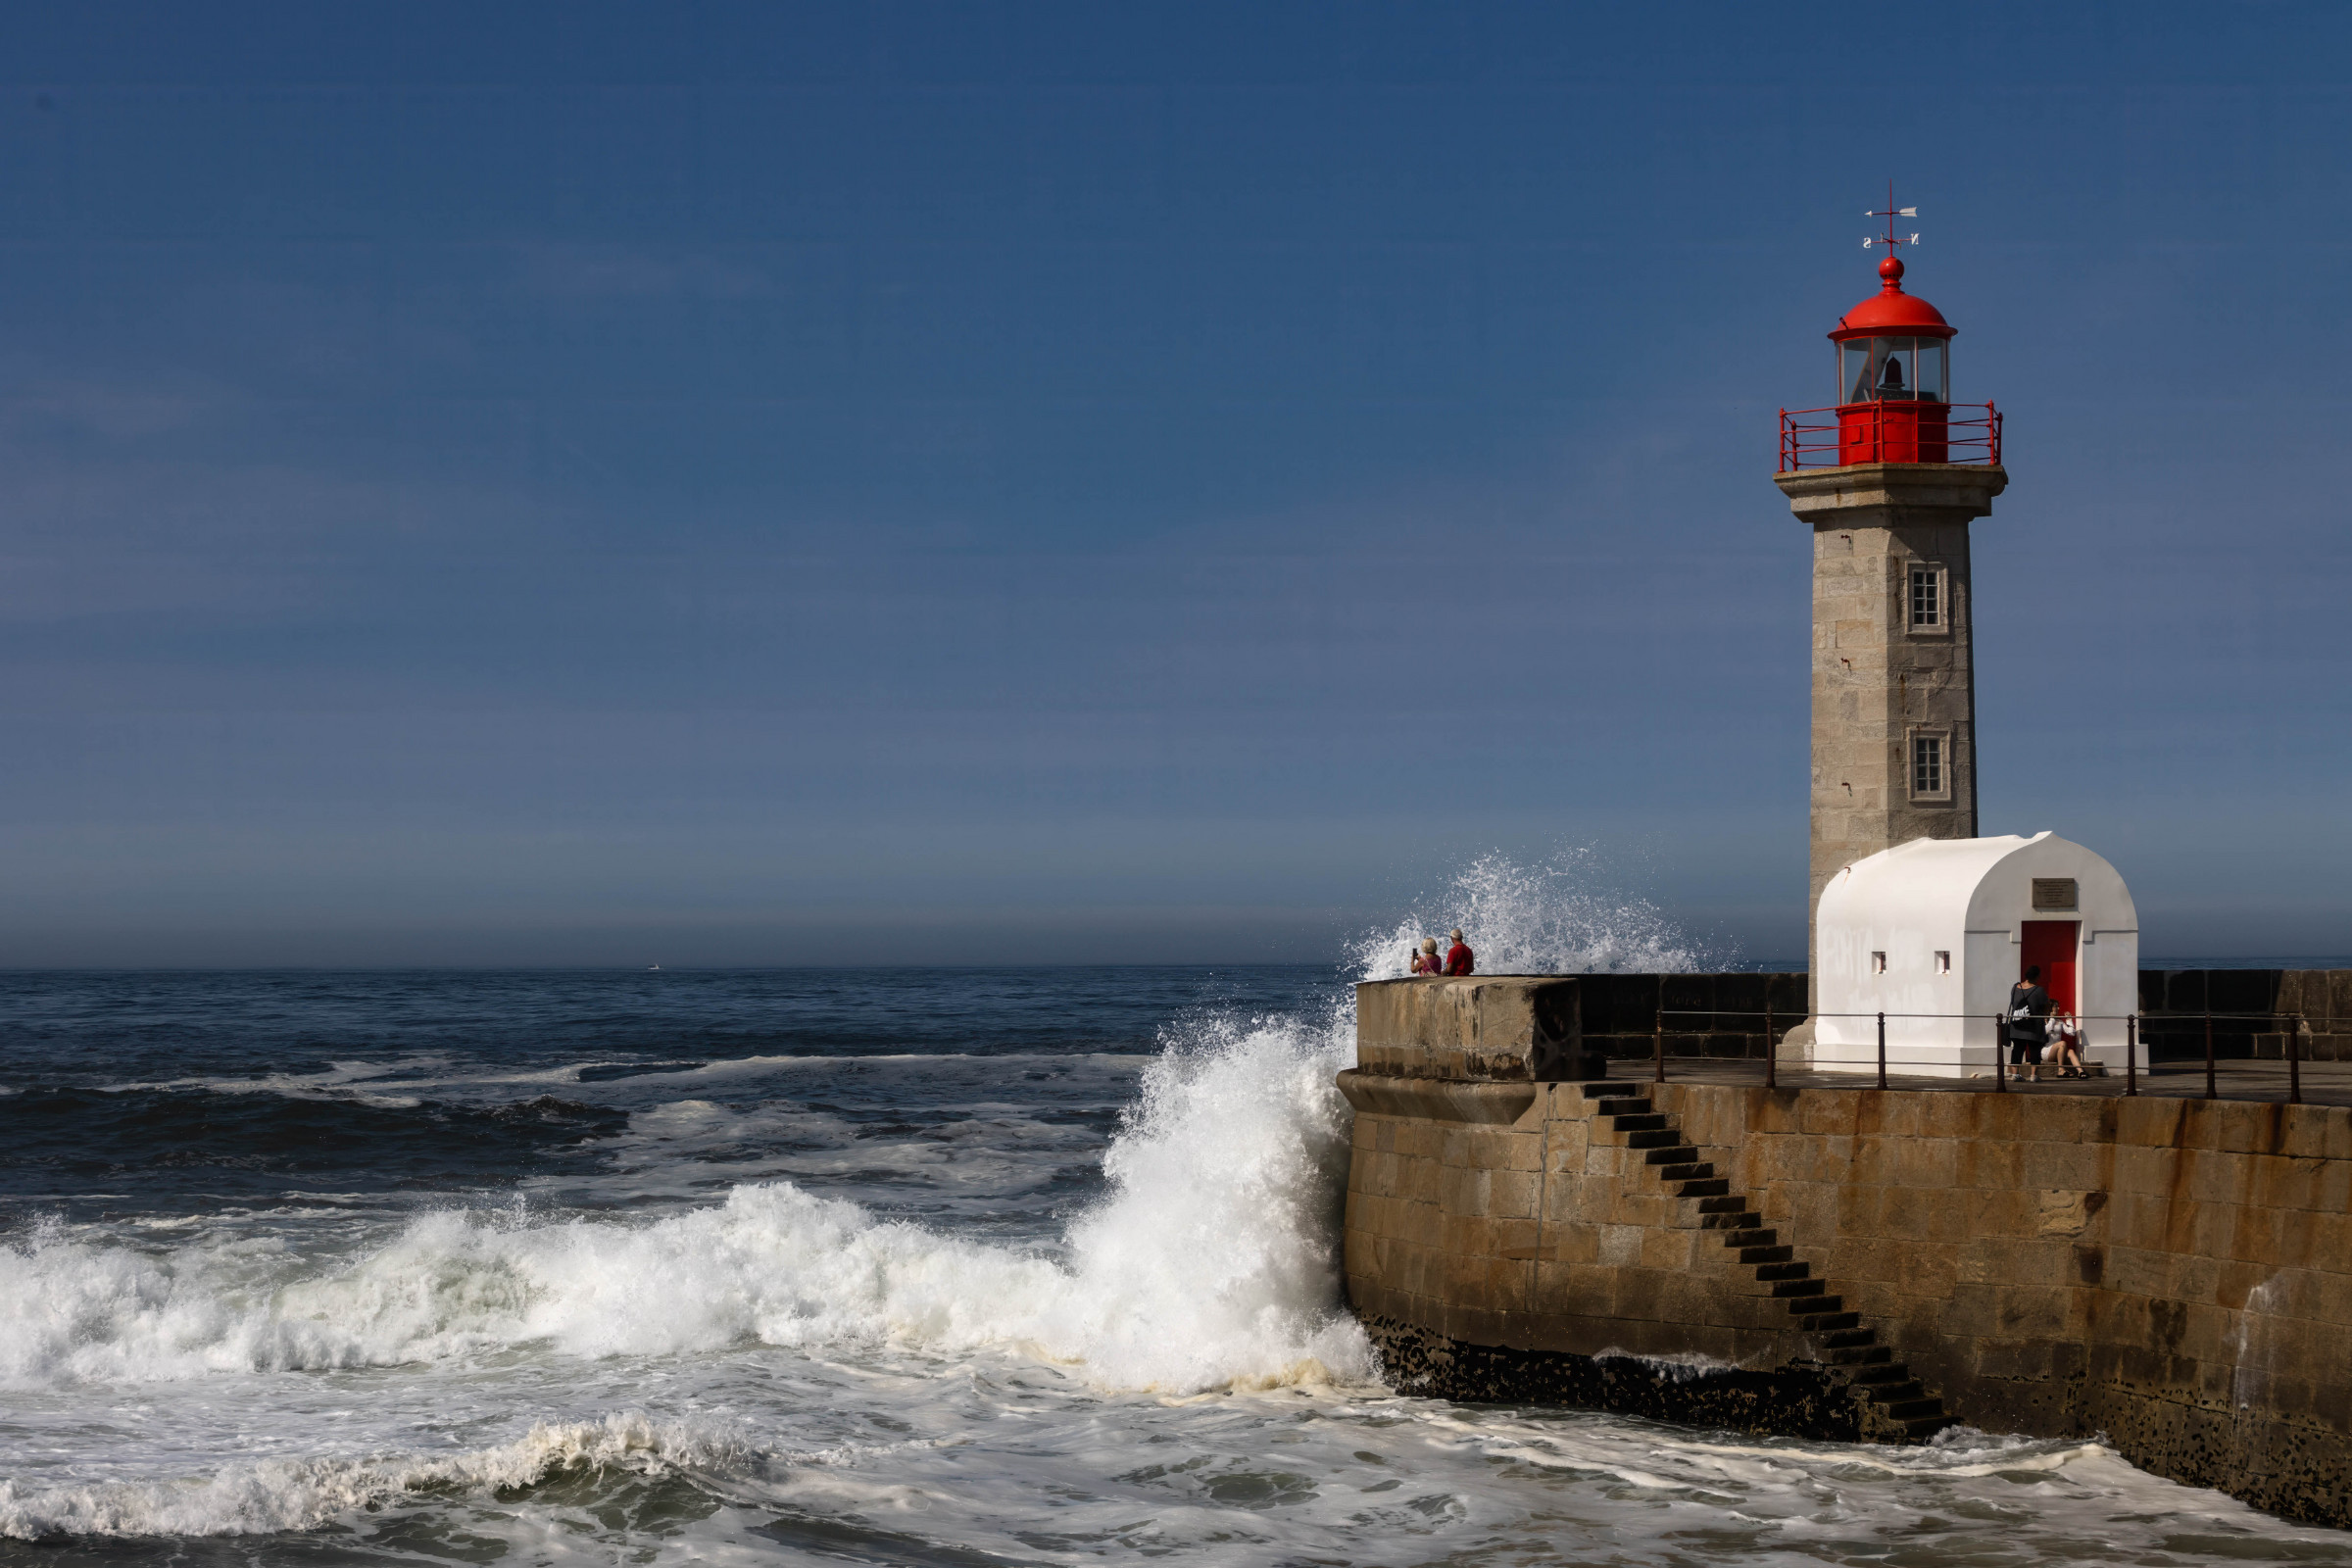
(1891, 270)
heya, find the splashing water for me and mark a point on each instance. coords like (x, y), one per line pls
(1555, 918)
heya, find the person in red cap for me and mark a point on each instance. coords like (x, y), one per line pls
(1458, 957)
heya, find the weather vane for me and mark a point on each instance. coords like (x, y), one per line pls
(1890, 239)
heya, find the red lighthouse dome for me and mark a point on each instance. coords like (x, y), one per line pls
(1893, 376)
(1891, 311)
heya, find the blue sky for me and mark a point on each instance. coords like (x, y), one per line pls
(974, 482)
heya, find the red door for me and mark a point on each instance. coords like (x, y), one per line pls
(2051, 944)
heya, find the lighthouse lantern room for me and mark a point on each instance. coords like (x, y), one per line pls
(1893, 376)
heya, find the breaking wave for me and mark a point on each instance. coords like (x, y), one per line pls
(1558, 918)
(298, 1493)
(1211, 1262)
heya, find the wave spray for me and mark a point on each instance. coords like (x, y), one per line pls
(1556, 917)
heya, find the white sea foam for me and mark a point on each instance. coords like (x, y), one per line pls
(1678, 1366)
(1560, 917)
(1209, 1263)
(1216, 1253)
(293, 1494)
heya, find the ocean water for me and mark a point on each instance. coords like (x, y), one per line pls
(921, 1267)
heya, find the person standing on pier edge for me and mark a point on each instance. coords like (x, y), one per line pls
(2029, 1008)
(1458, 957)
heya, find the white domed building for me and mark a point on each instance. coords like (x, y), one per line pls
(1933, 933)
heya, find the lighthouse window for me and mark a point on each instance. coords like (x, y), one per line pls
(1900, 367)
(1926, 764)
(1927, 595)
(1853, 370)
(1927, 364)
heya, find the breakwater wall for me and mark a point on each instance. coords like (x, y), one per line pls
(1725, 1016)
(2257, 1008)
(1850, 1262)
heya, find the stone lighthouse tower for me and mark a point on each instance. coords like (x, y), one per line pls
(1889, 480)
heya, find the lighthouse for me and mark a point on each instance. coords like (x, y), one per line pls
(1889, 478)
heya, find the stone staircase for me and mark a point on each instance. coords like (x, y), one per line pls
(1900, 1407)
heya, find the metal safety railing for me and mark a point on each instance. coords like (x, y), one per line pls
(2293, 1026)
(1891, 432)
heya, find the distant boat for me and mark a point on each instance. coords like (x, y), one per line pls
(650, 968)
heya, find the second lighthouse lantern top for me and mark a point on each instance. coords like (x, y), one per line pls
(1894, 384)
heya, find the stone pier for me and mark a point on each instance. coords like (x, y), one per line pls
(1850, 1262)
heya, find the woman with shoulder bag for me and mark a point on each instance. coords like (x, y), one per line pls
(2029, 1033)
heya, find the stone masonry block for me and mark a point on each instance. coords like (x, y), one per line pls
(1510, 1194)
(1825, 1115)
(2079, 1166)
(1992, 1162)
(1890, 1114)
(2216, 1176)
(1932, 1162)
(2035, 1311)
(1678, 1250)
(2148, 1172)
(1621, 1245)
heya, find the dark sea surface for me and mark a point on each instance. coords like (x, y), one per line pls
(888, 1267)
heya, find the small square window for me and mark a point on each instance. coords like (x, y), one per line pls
(1878, 963)
(1926, 764)
(1927, 597)
(1944, 963)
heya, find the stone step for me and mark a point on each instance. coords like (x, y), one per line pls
(1898, 1394)
(1909, 1410)
(1766, 1254)
(1851, 1337)
(1800, 1288)
(1758, 1238)
(1609, 1091)
(1696, 1171)
(1818, 1307)
(1640, 1123)
(1815, 1322)
(1782, 1273)
(1926, 1426)
(1712, 1187)
(1663, 1138)
(1860, 1354)
(1725, 1205)
(1675, 1154)
(1622, 1107)
(1885, 1372)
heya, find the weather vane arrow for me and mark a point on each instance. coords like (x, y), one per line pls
(1890, 212)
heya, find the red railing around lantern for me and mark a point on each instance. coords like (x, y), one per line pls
(1891, 432)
